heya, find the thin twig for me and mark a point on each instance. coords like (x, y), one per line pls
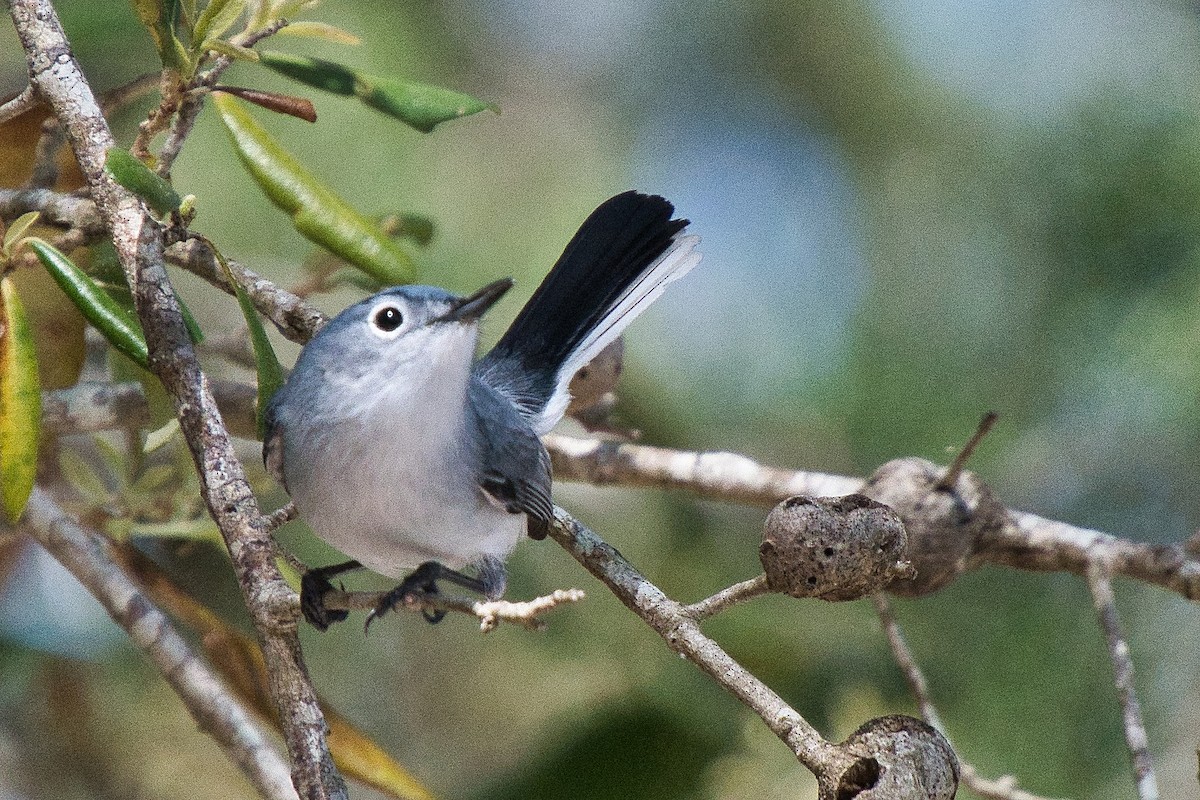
(15, 107)
(950, 479)
(727, 598)
(490, 613)
(1131, 713)
(294, 318)
(1003, 788)
(217, 712)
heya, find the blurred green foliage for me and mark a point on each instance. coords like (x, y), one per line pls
(1028, 242)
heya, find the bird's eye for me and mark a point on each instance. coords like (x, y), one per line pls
(388, 318)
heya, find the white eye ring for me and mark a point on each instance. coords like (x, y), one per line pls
(387, 320)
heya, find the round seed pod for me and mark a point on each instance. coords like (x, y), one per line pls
(943, 524)
(834, 548)
(892, 757)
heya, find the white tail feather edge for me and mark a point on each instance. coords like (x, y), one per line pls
(671, 265)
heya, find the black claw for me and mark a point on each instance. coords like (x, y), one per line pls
(313, 586)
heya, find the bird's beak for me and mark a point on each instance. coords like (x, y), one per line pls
(472, 307)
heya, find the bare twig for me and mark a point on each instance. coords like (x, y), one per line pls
(1026, 541)
(44, 173)
(18, 105)
(490, 613)
(1003, 788)
(1131, 713)
(727, 598)
(950, 479)
(92, 407)
(294, 318)
(216, 711)
(55, 207)
(720, 476)
(58, 80)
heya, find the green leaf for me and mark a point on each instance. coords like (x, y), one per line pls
(266, 364)
(129, 171)
(418, 105)
(118, 326)
(161, 436)
(216, 18)
(20, 404)
(321, 30)
(317, 212)
(325, 75)
(18, 229)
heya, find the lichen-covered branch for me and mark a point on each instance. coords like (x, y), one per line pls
(681, 631)
(216, 711)
(139, 241)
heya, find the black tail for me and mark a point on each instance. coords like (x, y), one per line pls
(617, 263)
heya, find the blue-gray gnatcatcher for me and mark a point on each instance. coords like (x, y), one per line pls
(401, 452)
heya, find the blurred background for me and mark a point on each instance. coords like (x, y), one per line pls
(911, 213)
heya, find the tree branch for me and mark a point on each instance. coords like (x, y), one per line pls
(217, 712)
(682, 634)
(1025, 541)
(58, 80)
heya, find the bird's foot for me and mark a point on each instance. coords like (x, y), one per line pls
(422, 583)
(313, 586)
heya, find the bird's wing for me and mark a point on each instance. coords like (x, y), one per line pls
(513, 466)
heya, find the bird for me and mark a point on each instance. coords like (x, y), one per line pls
(405, 452)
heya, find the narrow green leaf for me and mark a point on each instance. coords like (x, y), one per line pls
(18, 229)
(118, 326)
(234, 51)
(129, 171)
(189, 322)
(321, 30)
(325, 75)
(159, 437)
(216, 18)
(418, 105)
(266, 364)
(20, 404)
(318, 213)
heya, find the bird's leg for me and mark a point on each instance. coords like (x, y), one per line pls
(493, 576)
(422, 581)
(313, 587)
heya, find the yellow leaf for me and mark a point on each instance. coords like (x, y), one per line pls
(20, 404)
